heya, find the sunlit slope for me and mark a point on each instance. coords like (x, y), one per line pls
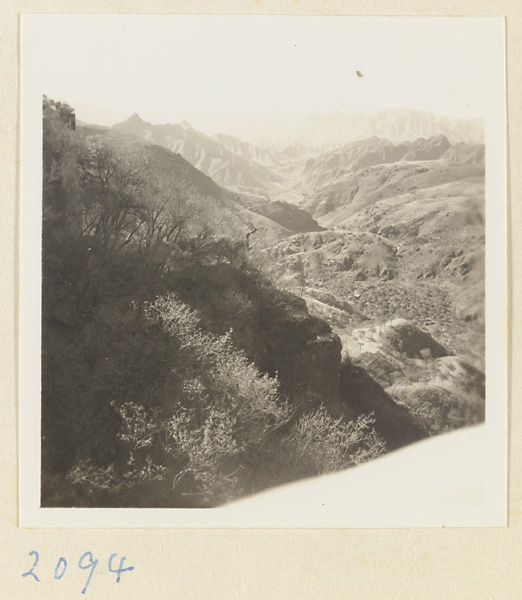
(404, 240)
(410, 180)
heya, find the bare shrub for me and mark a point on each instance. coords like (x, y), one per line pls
(224, 412)
(321, 444)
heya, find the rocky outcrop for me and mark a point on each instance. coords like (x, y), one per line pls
(288, 216)
(302, 349)
(406, 337)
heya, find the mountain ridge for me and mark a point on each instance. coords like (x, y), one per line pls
(272, 167)
(207, 154)
(336, 129)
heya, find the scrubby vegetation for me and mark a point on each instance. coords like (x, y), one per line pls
(153, 391)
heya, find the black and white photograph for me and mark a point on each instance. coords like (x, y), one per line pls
(263, 271)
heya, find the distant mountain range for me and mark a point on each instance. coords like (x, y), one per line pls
(328, 167)
(329, 130)
(273, 167)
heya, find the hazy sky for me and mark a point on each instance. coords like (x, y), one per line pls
(211, 70)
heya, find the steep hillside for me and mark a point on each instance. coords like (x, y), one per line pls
(232, 214)
(232, 164)
(262, 155)
(329, 168)
(466, 153)
(180, 172)
(359, 189)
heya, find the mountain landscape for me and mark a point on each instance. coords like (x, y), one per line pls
(328, 131)
(231, 315)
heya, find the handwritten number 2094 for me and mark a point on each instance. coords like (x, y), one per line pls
(87, 562)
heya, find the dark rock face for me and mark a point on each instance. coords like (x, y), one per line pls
(288, 216)
(302, 350)
(360, 394)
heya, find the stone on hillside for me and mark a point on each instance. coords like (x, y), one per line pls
(406, 337)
